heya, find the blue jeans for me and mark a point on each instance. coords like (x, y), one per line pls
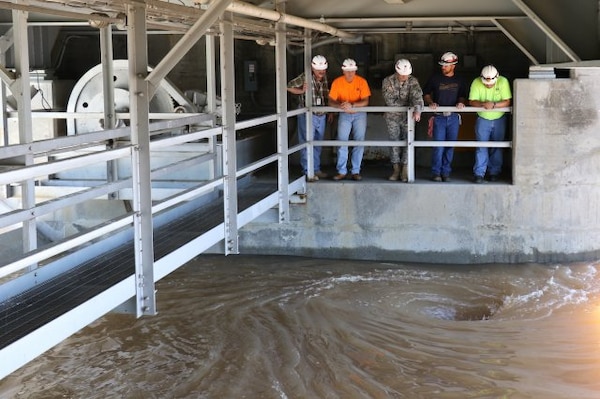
(318, 131)
(489, 159)
(357, 125)
(445, 128)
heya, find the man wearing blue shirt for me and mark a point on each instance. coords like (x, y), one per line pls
(445, 90)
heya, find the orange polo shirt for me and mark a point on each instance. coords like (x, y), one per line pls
(341, 90)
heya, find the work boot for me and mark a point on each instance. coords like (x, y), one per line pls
(404, 174)
(396, 174)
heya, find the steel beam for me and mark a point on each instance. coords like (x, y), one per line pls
(546, 30)
(516, 42)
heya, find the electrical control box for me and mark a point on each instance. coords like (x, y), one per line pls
(250, 80)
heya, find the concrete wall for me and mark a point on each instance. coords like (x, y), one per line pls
(550, 213)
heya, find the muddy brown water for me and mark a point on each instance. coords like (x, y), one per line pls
(287, 327)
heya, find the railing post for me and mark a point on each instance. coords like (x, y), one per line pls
(308, 98)
(410, 144)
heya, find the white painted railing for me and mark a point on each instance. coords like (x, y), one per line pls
(410, 143)
(56, 155)
(83, 151)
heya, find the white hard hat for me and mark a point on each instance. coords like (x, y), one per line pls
(349, 65)
(403, 67)
(319, 63)
(448, 58)
(489, 74)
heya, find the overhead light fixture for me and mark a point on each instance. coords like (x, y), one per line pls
(396, 1)
(98, 20)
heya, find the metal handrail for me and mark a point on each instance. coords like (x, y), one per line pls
(13, 175)
(410, 142)
(64, 145)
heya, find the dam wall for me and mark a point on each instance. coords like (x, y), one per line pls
(548, 212)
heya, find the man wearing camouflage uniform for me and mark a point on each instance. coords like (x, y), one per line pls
(401, 90)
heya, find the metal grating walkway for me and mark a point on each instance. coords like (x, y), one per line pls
(30, 310)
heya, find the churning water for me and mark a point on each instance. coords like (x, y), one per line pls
(285, 327)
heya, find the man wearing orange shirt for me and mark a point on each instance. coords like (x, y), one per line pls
(349, 92)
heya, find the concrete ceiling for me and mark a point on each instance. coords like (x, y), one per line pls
(546, 31)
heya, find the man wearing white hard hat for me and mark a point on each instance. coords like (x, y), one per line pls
(401, 89)
(445, 90)
(349, 92)
(489, 91)
(319, 89)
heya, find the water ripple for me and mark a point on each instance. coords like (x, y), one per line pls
(280, 327)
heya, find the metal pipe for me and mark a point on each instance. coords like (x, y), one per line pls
(330, 40)
(239, 7)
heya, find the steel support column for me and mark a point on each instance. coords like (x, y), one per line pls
(6, 41)
(310, 165)
(21, 92)
(211, 93)
(211, 79)
(137, 50)
(106, 58)
(282, 118)
(3, 94)
(230, 203)
(108, 91)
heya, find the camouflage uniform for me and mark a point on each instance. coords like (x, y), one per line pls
(400, 94)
